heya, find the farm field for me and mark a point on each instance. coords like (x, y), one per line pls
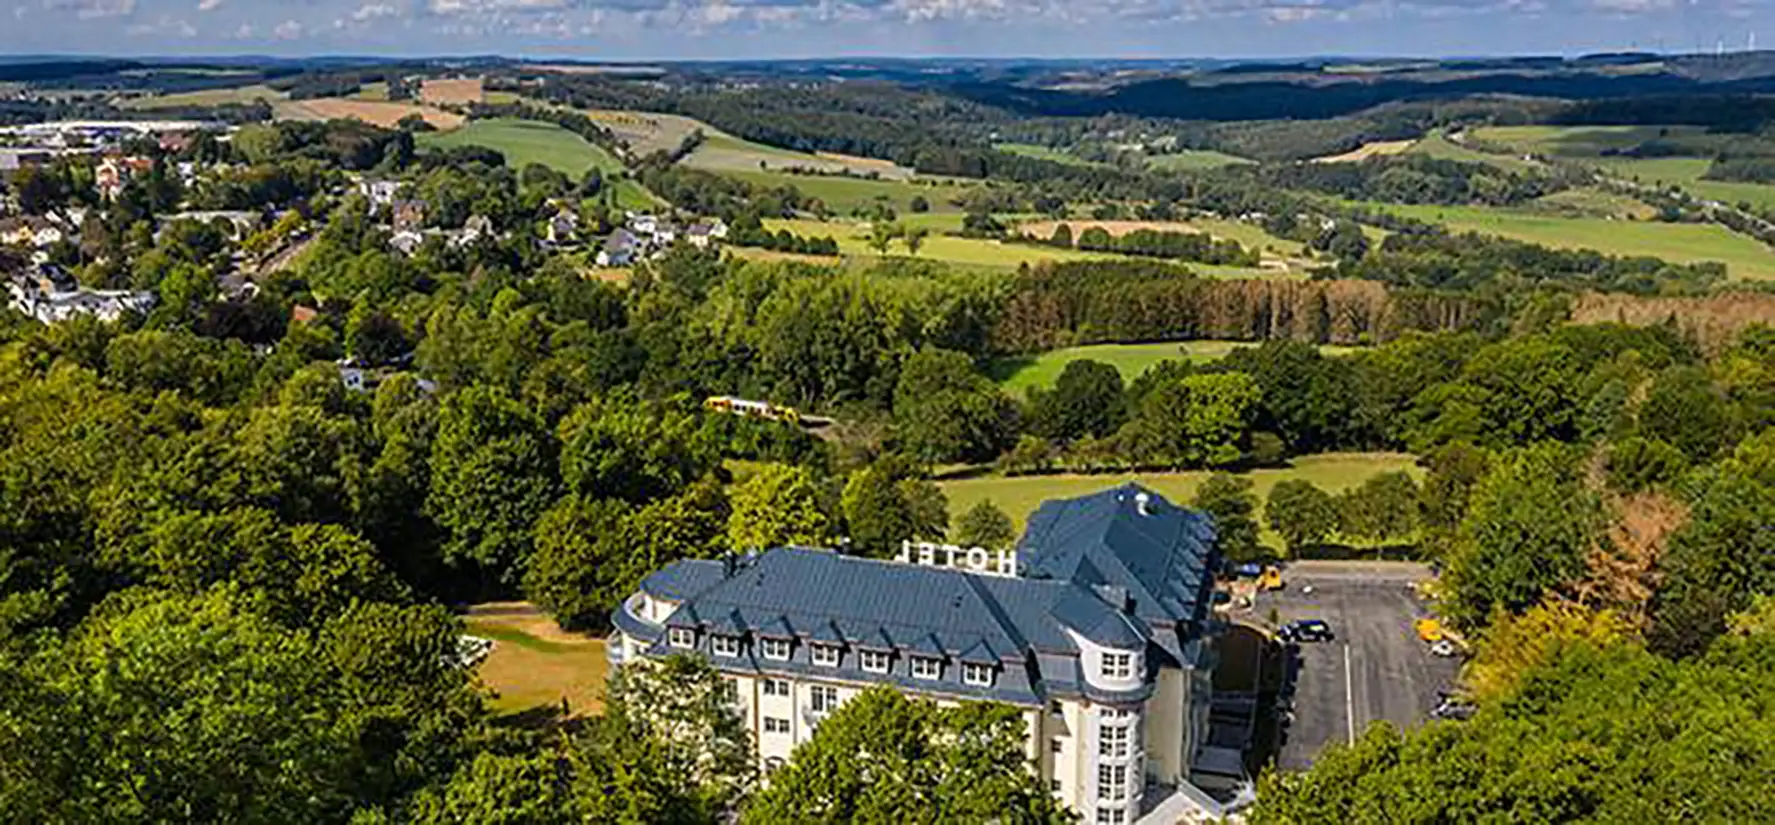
(523, 142)
(1192, 159)
(1684, 243)
(1378, 148)
(535, 663)
(452, 90)
(1018, 375)
(1587, 143)
(377, 90)
(207, 97)
(1249, 235)
(647, 132)
(380, 113)
(1019, 496)
(1595, 203)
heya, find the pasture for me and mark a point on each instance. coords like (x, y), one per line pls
(842, 194)
(1438, 145)
(1017, 375)
(1588, 143)
(523, 142)
(534, 663)
(1019, 496)
(721, 152)
(853, 241)
(1247, 234)
(1194, 159)
(1679, 242)
(1031, 150)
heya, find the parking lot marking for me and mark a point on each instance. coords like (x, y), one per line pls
(1349, 697)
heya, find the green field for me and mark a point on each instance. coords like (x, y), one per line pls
(1680, 242)
(1587, 144)
(853, 241)
(1192, 159)
(842, 194)
(1437, 145)
(523, 142)
(1030, 150)
(1019, 496)
(722, 152)
(1017, 375)
(207, 97)
(534, 663)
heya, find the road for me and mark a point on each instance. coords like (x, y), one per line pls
(1375, 669)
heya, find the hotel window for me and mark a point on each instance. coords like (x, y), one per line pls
(730, 690)
(825, 655)
(1113, 714)
(822, 698)
(873, 661)
(773, 724)
(976, 674)
(777, 649)
(776, 687)
(681, 637)
(725, 645)
(925, 667)
(1054, 785)
(1112, 782)
(1111, 816)
(1057, 746)
(1118, 665)
(1113, 742)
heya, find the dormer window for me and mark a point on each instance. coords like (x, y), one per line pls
(926, 667)
(725, 645)
(1118, 666)
(977, 674)
(777, 649)
(681, 637)
(873, 661)
(825, 655)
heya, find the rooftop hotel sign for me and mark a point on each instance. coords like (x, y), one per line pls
(971, 559)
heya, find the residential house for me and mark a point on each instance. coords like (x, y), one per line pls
(31, 231)
(563, 228)
(704, 233)
(115, 171)
(406, 241)
(408, 214)
(380, 192)
(619, 249)
(50, 297)
(473, 230)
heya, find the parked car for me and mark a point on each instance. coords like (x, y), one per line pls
(1452, 707)
(1444, 648)
(1306, 630)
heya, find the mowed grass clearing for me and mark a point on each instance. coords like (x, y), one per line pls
(1018, 375)
(535, 663)
(1678, 242)
(844, 194)
(1019, 496)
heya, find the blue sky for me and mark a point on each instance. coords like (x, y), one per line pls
(662, 29)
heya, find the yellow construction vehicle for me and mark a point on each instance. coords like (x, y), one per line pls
(1271, 579)
(1430, 630)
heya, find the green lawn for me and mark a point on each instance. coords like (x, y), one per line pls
(1680, 242)
(1019, 496)
(534, 663)
(1017, 375)
(1191, 159)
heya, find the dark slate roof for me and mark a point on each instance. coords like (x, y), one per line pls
(1161, 556)
(1100, 566)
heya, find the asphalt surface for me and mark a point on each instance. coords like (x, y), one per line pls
(1376, 668)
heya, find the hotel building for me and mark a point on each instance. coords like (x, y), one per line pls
(1097, 627)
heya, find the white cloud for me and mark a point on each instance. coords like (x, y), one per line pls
(93, 9)
(287, 30)
(374, 11)
(209, 5)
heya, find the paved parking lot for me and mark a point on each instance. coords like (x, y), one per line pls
(1376, 668)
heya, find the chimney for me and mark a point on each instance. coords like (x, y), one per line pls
(1142, 502)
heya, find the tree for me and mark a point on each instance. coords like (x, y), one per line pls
(1454, 470)
(778, 505)
(884, 505)
(492, 468)
(1684, 409)
(985, 525)
(1197, 421)
(497, 789)
(882, 233)
(883, 757)
(1637, 463)
(945, 411)
(683, 707)
(918, 204)
(1087, 399)
(1383, 508)
(626, 449)
(914, 239)
(1529, 526)
(1301, 513)
(572, 574)
(1232, 504)
(1062, 236)
(1718, 562)
(1515, 646)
